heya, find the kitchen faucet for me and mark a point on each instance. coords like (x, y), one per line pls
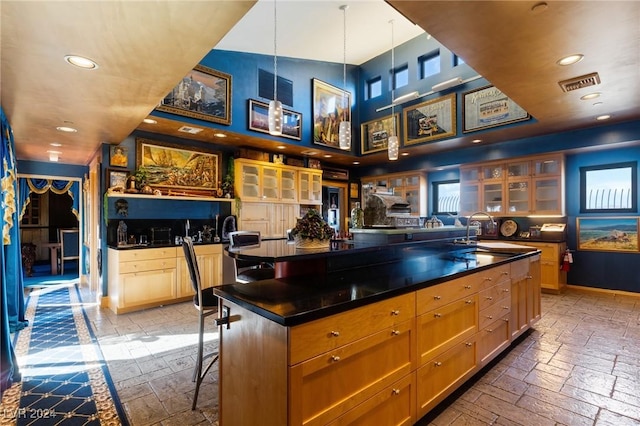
(491, 221)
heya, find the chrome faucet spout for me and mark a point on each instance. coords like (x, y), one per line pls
(491, 221)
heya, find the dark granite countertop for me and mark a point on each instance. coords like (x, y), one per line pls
(298, 299)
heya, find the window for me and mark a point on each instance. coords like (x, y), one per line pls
(609, 188)
(457, 60)
(429, 64)
(400, 77)
(32, 210)
(374, 88)
(446, 197)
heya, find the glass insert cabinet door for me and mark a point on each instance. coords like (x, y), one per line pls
(270, 183)
(288, 183)
(250, 181)
(518, 196)
(547, 195)
(492, 197)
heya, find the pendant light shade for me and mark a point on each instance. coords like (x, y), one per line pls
(344, 131)
(393, 144)
(275, 106)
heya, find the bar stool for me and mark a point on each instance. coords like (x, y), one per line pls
(207, 304)
(248, 271)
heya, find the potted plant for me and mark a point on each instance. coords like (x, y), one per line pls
(312, 231)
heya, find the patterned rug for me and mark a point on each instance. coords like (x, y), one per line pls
(65, 380)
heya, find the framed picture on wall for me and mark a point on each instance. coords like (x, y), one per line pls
(116, 178)
(608, 234)
(203, 93)
(330, 106)
(489, 107)
(430, 120)
(118, 156)
(375, 134)
(259, 120)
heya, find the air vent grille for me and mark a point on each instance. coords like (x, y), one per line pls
(576, 83)
(192, 130)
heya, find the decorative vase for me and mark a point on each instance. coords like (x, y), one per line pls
(310, 243)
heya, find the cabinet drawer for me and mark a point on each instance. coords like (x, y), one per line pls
(492, 339)
(520, 268)
(438, 378)
(147, 265)
(442, 328)
(394, 406)
(146, 254)
(316, 337)
(493, 294)
(497, 310)
(439, 295)
(204, 249)
(490, 277)
(327, 386)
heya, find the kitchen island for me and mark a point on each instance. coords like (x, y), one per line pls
(382, 335)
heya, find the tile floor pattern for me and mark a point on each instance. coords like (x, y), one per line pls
(580, 366)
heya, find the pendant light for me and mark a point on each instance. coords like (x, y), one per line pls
(393, 144)
(275, 106)
(344, 133)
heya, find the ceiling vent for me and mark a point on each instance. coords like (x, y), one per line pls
(576, 83)
(192, 130)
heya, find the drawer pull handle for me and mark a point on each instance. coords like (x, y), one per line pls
(396, 391)
(395, 312)
(490, 316)
(529, 277)
(489, 330)
(468, 344)
(505, 319)
(469, 302)
(488, 279)
(505, 290)
(505, 307)
(437, 315)
(467, 287)
(505, 273)
(437, 364)
(437, 297)
(335, 333)
(489, 298)
(395, 332)
(335, 358)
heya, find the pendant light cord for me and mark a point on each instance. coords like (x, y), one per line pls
(275, 51)
(344, 59)
(393, 79)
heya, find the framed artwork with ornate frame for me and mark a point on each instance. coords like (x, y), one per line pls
(259, 120)
(430, 120)
(330, 106)
(375, 134)
(178, 169)
(117, 178)
(608, 233)
(488, 107)
(203, 93)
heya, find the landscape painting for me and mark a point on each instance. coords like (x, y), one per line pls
(608, 234)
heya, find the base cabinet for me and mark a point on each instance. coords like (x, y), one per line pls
(387, 363)
(552, 278)
(209, 258)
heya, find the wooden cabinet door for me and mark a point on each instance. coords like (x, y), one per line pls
(147, 287)
(535, 290)
(247, 181)
(519, 321)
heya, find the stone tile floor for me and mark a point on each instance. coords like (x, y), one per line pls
(579, 366)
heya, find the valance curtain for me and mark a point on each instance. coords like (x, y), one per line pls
(12, 298)
(40, 186)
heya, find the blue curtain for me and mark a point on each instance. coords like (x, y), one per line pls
(40, 186)
(12, 298)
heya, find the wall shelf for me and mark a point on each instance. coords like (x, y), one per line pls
(168, 197)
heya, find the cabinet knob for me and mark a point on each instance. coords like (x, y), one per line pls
(505, 319)
(489, 330)
(468, 344)
(335, 358)
(505, 273)
(490, 316)
(395, 332)
(437, 297)
(437, 315)
(489, 298)
(396, 391)
(488, 279)
(529, 277)
(335, 333)
(395, 312)
(505, 307)
(437, 364)
(469, 302)
(467, 287)
(505, 290)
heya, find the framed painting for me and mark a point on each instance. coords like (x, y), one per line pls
(117, 178)
(118, 156)
(489, 107)
(430, 120)
(375, 134)
(259, 120)
(608, 234)
(178, 169)
(330, 106)
(204, 94)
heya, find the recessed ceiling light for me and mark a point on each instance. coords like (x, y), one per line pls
(590, 96)
(219, 135)
(595, 104)
(149, 121)
(56, 144)
(603, 117)
(476, 141)
(327, 156)
(281, 147)
(66, 129)
(81, 62)
(570, 60)
(309, 152)
(404, 154)
(356, 162)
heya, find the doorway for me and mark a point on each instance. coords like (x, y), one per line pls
(335, 210)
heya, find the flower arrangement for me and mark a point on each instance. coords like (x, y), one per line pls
(313, 227)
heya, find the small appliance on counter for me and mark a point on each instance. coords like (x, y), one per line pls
(160, 235)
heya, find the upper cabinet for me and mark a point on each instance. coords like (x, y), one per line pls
(263, 181)
(521, 187)
(412, 186)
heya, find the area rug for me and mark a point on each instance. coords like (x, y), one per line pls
(65, 380)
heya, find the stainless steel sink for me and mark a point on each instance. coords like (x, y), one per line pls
(477, 256)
